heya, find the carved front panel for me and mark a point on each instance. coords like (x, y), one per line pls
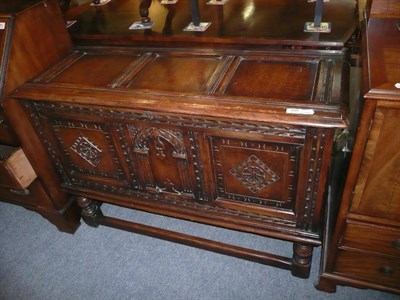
(259, 175)
(161, 158)
(84, 152)
(119, 152)
(89, 152)
(269, 171)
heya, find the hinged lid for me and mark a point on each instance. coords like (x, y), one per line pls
(295, 87)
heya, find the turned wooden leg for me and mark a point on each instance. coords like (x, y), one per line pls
(301, 261)
(89, 210)
(144, 10)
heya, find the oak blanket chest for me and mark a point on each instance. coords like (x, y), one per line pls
(237, 139)
(231, 131)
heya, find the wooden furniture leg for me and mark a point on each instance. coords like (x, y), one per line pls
(301, 262)
(89, 211)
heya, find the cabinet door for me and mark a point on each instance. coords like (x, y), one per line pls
(377, 192)
(160, 158)
(280, 174)
(83, 147)
(258, 176)
(118, 152)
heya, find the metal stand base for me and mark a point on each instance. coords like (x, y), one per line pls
(140, 25)
(202, 27)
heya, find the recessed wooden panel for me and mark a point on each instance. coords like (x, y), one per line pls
(257, 173)
(95, 69)
(273, 79)
(161, 159)
(177, 73)
(87, 152)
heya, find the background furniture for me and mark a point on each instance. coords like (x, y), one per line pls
(30, 42)
(364, 250)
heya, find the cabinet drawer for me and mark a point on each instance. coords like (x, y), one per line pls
(15, 170)
(385, 240)
(26, 197)
(369, 268)
(32, 197)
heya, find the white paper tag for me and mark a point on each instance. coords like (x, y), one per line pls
(300, 111)
(202, 27)
(2, 25)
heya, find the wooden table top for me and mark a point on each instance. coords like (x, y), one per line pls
(10, 7)
(246, 22)
(383, 58)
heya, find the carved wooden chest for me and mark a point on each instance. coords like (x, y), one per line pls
(238, 139)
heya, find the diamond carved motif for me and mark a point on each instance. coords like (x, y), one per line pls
(254, 174)
(87, 150)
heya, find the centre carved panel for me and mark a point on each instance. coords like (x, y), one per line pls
(161, 156)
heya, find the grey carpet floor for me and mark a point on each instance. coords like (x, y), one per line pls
(39, 262)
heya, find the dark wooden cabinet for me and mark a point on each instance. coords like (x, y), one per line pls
(364, 250)
(224, 128)
(23, 57)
